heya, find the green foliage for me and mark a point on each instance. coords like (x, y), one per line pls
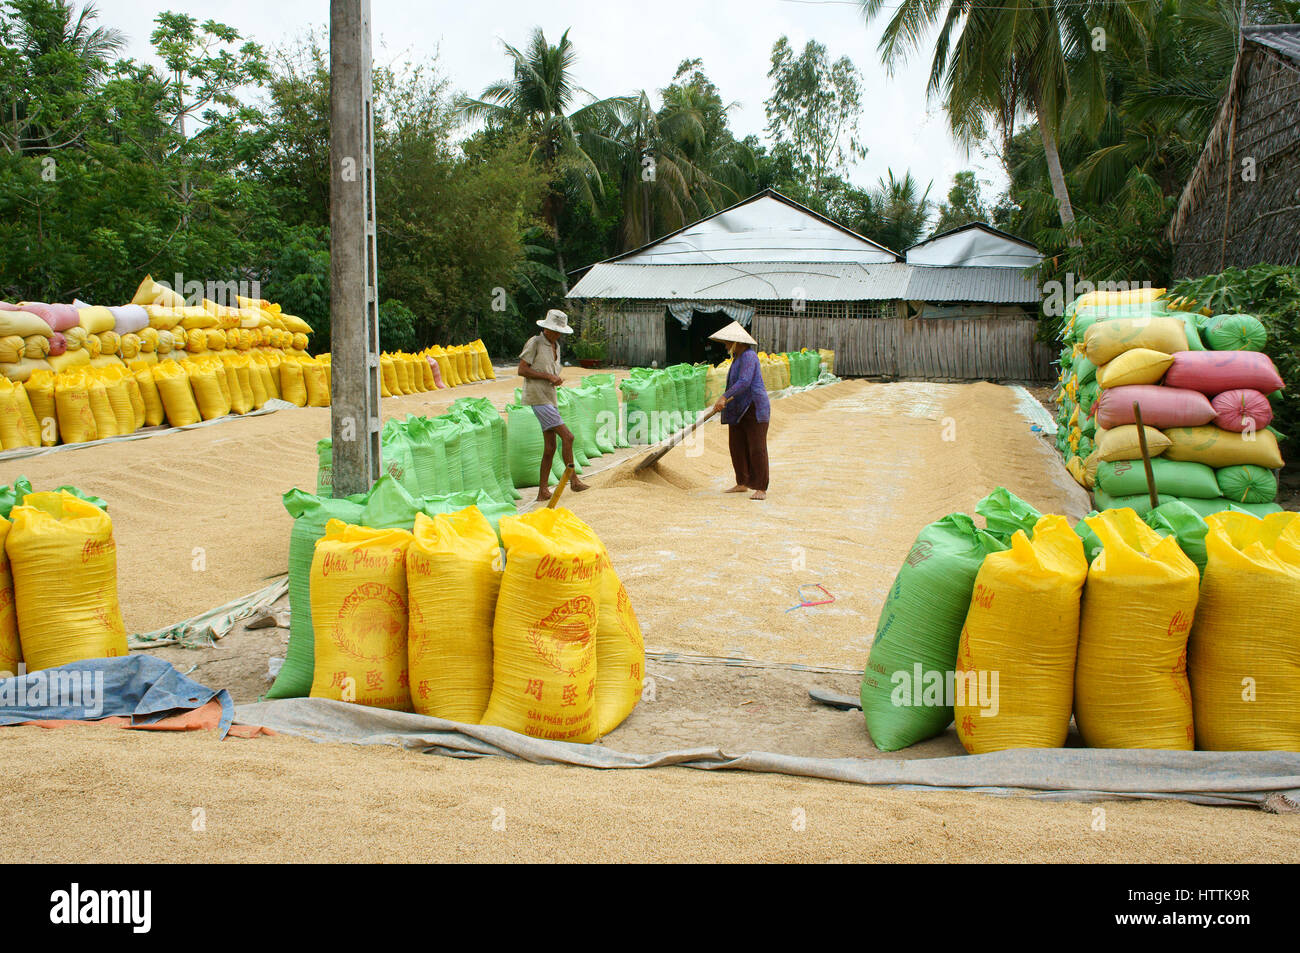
(397, 327)
(1272, 294)
(813, 110)
(964, 204)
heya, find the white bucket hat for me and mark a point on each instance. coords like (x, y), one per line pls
(556, 320)
(734, 331)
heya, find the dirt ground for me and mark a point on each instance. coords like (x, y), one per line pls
(857, 469)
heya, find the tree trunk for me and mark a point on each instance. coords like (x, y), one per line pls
(1055, 173)
(554, 222)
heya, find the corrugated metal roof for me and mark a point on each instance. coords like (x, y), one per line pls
(970, 283)
(1285, 38)
(756, 281)
(977, 245)
(834, 281)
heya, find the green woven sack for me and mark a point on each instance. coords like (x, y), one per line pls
(641, 397)
(1234, 332)
(387, 506)
(1247, 484)
(920, 623)
(1140, 503)
(1172, 477)
(1181, 521)
(429, 454)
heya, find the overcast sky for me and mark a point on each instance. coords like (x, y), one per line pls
(624, 46)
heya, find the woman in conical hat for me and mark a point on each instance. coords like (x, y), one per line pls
(745, 411)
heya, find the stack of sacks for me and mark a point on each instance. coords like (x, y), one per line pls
(591, 412)
(462, 451)
(660, 402)
(425, 619)
(1205, 412)
(1144, 630)
(58, 580)
(388, 507)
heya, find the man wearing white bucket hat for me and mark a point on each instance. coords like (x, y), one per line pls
(745, 411)
(539, 366)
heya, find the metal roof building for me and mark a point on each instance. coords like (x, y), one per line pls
(957, 305)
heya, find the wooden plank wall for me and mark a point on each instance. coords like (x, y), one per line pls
(953, 348)
(988, 348)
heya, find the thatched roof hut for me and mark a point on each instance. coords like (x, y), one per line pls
(1241, 206)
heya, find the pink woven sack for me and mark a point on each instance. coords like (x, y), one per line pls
(1162, 407)
(1237, 410)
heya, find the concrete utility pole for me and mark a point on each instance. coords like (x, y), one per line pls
(354, 272)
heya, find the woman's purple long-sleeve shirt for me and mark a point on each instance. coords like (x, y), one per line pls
(745, 389)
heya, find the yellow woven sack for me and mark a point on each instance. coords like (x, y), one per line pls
(462, 366)
(359, 616)
(292, 387)
(101, 407)
(163, 317)
(484, 362)
(1121, 443)
(72, 407)
(17, 429)
(426, 373)
(1130, 678)
(256, 381)
(1138, 366)
(36, 347)
(135, 397)
(299, 341)
(1107, 340)
(295, 324)
(241, 391)
(402, 371)
(544, 631)
(1014, 681)
(69, 360)
(11, 652)
(315, 379)
(11, 349)
(620, 653)
(208, 394)
(828, 358)
(388, 374)
(216, 339)
(109, 342)
(119, 398)
(96, 320)
(152, 293)
(1244, 653)
(196, 318)
(444, 366)
(1075, 467)
(129, 346)
(153, 407)
(1216, 447)
(267, 379)
(453, 580)
(175, 392)
(1090, 464)
(40, 392)
(1104, 299)
(64, 564)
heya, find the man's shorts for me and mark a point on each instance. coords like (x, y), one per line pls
(547, 416)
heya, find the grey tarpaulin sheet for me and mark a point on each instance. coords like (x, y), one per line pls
(211, 625)
(1265, 779)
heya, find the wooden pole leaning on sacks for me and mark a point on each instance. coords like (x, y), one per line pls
(672, 442)
(1146, 456)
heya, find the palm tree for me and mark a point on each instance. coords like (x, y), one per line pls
(902, 212)
(539, 98)
(996, 61)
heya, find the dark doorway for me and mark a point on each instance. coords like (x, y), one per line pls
(692, 345)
